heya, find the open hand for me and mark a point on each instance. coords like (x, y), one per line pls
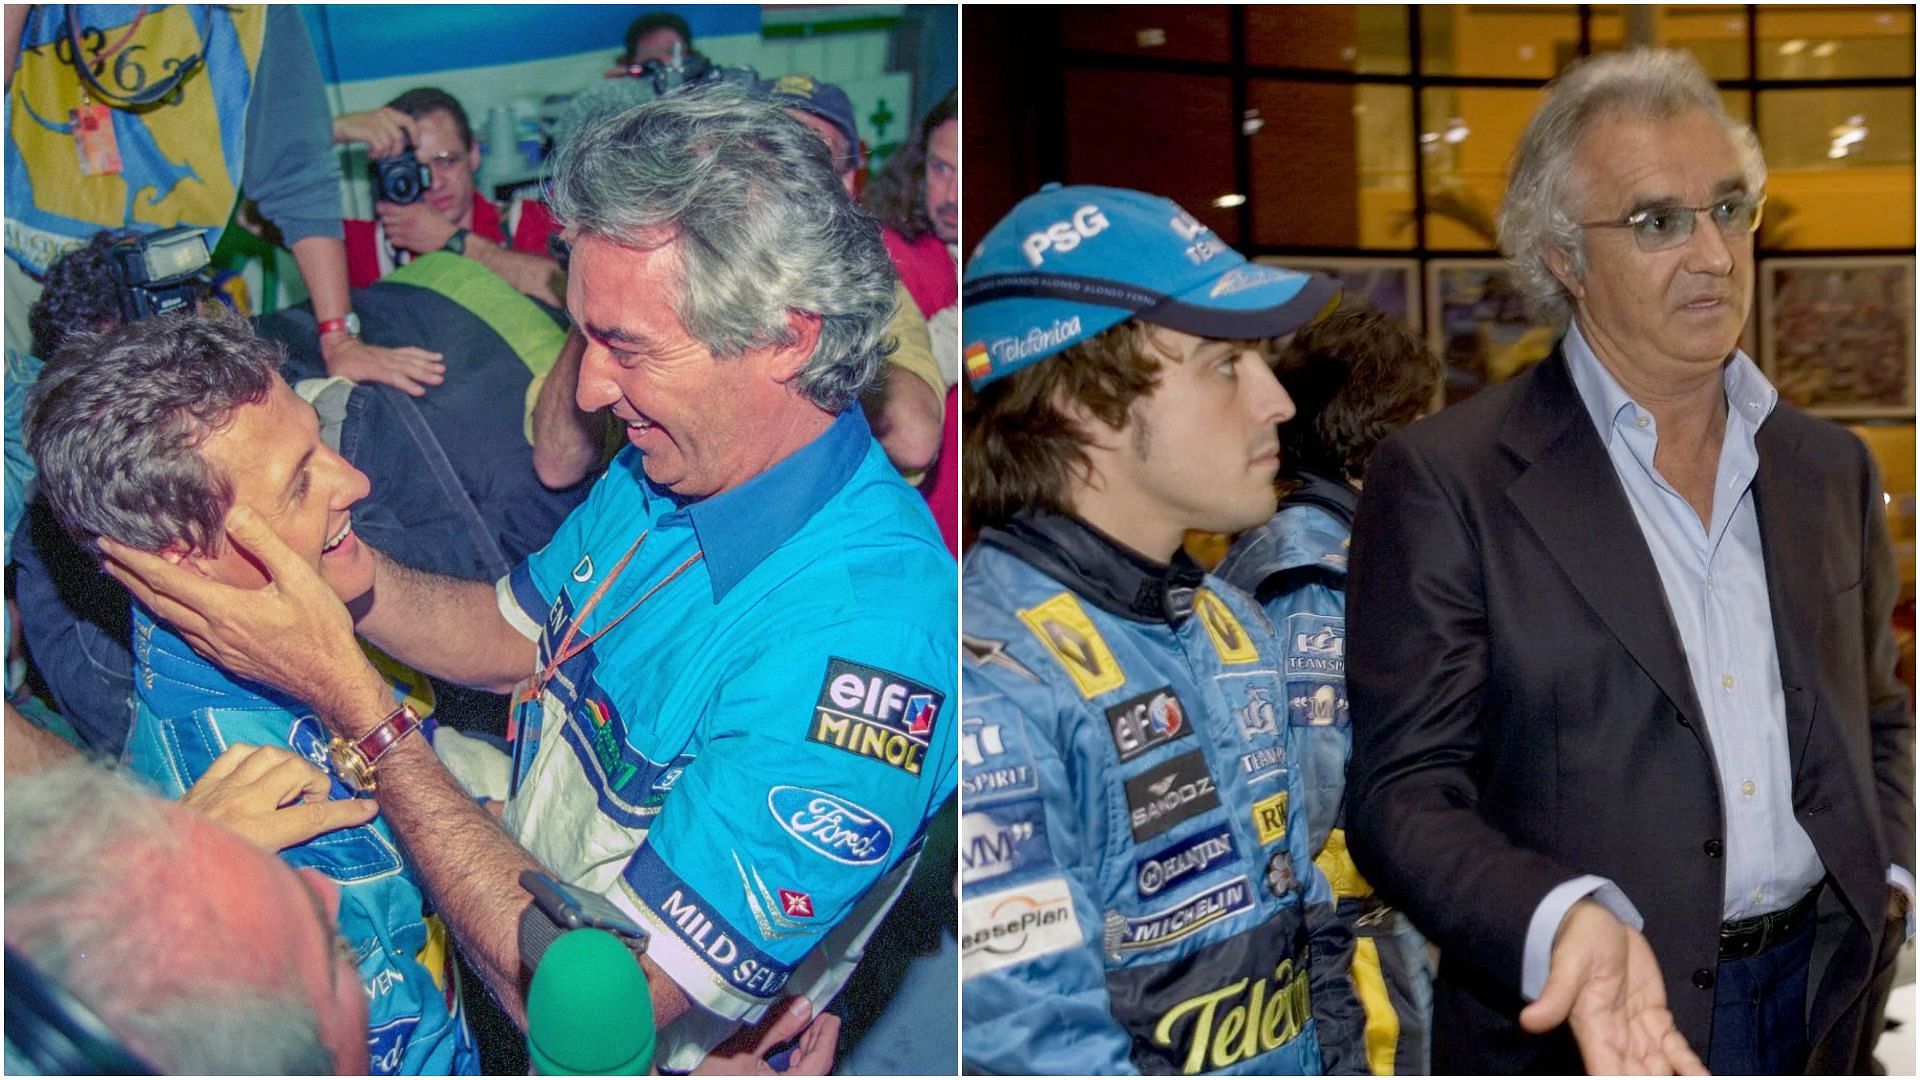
(1604, 982)
(745, 1054)
(272, 797)
(384, 130)
(405, 368)
(292, 632)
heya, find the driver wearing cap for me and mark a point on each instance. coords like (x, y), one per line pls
(1138, 893)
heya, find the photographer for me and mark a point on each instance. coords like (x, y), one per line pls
(446, 213)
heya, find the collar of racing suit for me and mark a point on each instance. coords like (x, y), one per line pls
(1099, 568)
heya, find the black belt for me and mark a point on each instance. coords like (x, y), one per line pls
(1751, 937)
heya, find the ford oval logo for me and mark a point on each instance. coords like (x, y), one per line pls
(831, 825)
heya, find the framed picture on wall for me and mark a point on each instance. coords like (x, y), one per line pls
(1389, 286)
(1478, 324)
(1838, 338)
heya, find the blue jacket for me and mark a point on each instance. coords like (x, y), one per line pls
(186, 713)
(1296, 566)
(1138, 892)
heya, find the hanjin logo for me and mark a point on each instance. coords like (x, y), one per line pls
(1184, 861)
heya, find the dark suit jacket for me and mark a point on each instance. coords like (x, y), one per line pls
(1522, 712)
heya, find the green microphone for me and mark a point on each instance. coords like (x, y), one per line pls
(588, 1010)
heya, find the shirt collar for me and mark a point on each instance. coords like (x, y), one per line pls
(739, 528)
(1750, 397)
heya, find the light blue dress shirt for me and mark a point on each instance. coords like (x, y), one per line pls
(1715, 581)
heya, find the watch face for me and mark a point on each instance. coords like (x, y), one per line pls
(350, 765)
(352, 320)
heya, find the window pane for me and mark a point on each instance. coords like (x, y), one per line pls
(1716, 34)
(1168, 134)
(1840, 168)
(1837, 42)
(1332, 165)
(1166, 31)
(1468, 136)
(1534, 41)
(1370, 38)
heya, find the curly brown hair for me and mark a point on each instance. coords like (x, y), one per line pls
(1355, 377)
(898, 196)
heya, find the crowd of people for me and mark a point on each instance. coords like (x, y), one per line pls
(1557, 731)
(583, 546)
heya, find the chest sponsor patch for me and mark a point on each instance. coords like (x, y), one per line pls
(387, 1045)
(1139, 724)
(1000, 840)
(994, 762)
(1260, 715)
(875, 714)
(1312, 703)
(1270, 818)
(1230, 639)
(1121, 935)
(1015, 925)
(1173, 866)
(1229, 1004)
(831, 826)
(1317, 645)
(1063, 626)
(1262, 766)
(1169, 794)
(731, 953)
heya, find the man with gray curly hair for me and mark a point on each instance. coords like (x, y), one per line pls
(1628, 742)
(731, 667)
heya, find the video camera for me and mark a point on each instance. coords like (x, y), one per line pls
(689, 69)
(400, 179)
(159, 272)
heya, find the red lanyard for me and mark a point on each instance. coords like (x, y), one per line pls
(567, 649)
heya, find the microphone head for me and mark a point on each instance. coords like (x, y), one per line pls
(588, 1009)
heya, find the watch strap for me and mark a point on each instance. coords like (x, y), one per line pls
(457, 243)
(349, 323)
(398, 725)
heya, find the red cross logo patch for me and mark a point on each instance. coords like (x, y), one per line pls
(798, 905)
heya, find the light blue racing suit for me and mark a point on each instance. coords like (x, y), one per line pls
(1138, 895)
(186, 713)
(1296, 566)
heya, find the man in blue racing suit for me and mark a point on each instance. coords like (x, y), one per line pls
(201, 423)
(1356, 377)
(1138, 890)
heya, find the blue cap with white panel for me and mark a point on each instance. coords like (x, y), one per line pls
(1070, 262)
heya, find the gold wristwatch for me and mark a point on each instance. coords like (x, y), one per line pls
(353, 762)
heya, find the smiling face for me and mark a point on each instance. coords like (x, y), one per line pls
(278, 466)
(436, 141)
(943, 181)
(705, 424)
(1671, 312)
(1199, 452)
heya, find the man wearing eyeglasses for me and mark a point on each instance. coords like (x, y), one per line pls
(451, 215)
(1628, 743)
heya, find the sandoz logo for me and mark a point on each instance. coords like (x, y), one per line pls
(1063, 236)
(831, 825)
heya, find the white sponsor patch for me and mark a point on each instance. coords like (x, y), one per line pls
(1016, 925)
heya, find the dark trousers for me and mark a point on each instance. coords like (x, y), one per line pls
(1760, 1010)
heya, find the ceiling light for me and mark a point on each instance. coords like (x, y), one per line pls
(1826, 49)
(1228, 202)
(1793, 48)
(1150, 37)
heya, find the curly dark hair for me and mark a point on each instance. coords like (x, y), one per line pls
(1355, 377)
(79, 294)
(898, 196)
(116, 421)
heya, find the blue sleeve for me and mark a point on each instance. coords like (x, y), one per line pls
(290, 169)
(527, 594)
(1035, 994)
(828, 750)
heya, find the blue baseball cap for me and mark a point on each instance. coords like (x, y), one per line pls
(1070, 262)
(822, 99)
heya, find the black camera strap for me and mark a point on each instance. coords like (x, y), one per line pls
(149, 95)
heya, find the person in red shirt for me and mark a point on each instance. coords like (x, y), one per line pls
(452, 215)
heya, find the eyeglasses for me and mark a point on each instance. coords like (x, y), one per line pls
(446, 161)
(1660, 228)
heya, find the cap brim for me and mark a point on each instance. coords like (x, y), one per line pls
(1248, 301)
